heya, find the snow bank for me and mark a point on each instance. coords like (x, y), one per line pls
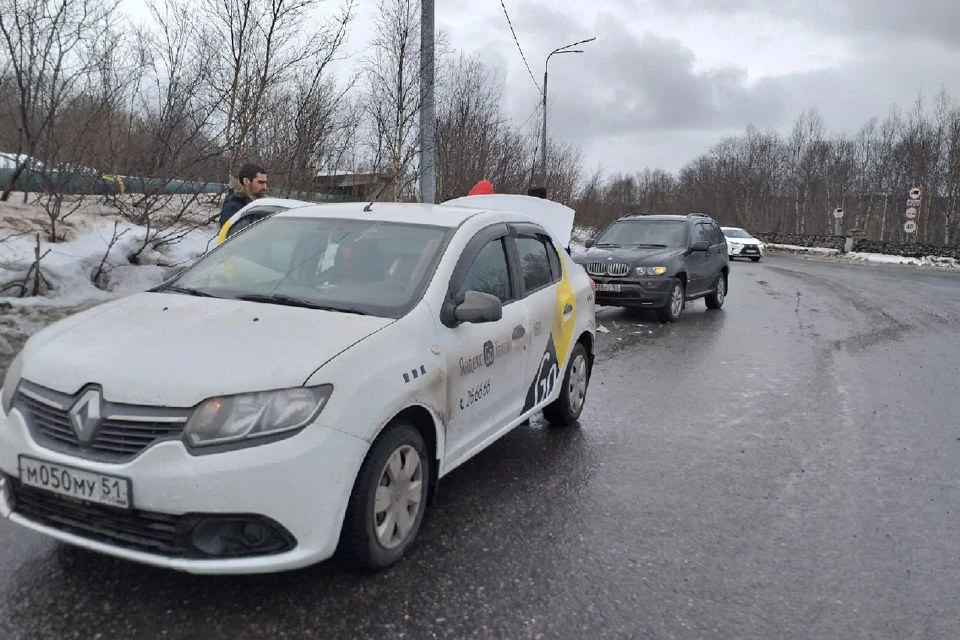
(926, 261)
(70, 266)
(874, 258)
(815, 250)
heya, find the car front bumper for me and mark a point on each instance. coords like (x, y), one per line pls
(745, 251)
(652, 292)
(296, 488)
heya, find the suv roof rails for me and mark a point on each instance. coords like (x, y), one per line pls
(695, 214)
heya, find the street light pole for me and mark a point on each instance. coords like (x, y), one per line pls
(428, 184)
(543, 132)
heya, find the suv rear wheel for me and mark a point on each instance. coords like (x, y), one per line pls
(675, 303)
(715, 299)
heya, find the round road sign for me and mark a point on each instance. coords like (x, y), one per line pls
(915, 193)
(838, 213)
(910, 226)
(911, 212)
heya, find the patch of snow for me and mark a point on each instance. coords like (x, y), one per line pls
(875, 258)
(882, 258)
(70, 266)
(926, 261)
(798, 248)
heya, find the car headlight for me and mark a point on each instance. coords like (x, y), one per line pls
(650, 271)
(252, 415)
(10, 383)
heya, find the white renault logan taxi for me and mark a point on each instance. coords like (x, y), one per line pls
(298, 391)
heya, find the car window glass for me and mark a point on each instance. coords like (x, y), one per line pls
(367, 266)
(534, 263)
(489, 273)
(555, 269)
(669, 233)
(699, 233)
(716, 235)
(735, 233)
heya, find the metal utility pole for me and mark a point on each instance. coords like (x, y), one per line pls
(428, 180)
(543, 133)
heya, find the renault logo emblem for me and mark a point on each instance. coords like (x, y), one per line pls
(86, 414)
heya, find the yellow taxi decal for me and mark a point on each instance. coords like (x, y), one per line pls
(223, 231)
(564, 321)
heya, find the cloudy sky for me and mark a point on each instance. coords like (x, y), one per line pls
(666, 79)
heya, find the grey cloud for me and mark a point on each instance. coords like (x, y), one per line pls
(863, 20)
(623, 83)
(632, 101)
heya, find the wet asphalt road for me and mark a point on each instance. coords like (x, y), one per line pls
(784, 468)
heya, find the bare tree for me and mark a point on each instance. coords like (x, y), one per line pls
(392, 96)
(308, 122)
(257, 45)
(470, 127)
(34, 274)
(48, 45)
(806, 149)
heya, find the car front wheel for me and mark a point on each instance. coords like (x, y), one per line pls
(675, 303)
(388, 500)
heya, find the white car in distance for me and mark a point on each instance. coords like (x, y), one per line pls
(741, 244)
(297, 392)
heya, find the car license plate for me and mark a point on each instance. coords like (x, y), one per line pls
(750, 250)
(75, 483)
(608, 287)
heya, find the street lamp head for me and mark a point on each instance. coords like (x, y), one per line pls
(564, 48)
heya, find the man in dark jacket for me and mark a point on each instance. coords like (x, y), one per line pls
(252, 185)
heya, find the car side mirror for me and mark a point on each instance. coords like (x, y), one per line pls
(478, 307)
(589, 243)
(700, 245)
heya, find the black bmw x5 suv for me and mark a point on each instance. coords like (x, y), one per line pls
(658, 262)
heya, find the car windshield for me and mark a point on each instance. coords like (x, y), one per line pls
(659, 233)
(357, 266)
(735, 233)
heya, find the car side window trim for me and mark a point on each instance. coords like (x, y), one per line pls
(468, 256)
(528, 230)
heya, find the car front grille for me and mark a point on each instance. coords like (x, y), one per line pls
(147, 531)
(123, 432)
(163, 534)
(608, 268)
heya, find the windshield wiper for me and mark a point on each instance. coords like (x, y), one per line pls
(606, 244)
(648, 244)
(188, 290)
(290, 301)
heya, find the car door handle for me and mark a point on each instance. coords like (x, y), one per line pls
(518, 331)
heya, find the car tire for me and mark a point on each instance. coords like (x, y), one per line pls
(566, 409)
(675, 303)
(715, 299)
(755, 259)
(397, 471)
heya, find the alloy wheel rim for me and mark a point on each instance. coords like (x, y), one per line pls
(577, 389)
